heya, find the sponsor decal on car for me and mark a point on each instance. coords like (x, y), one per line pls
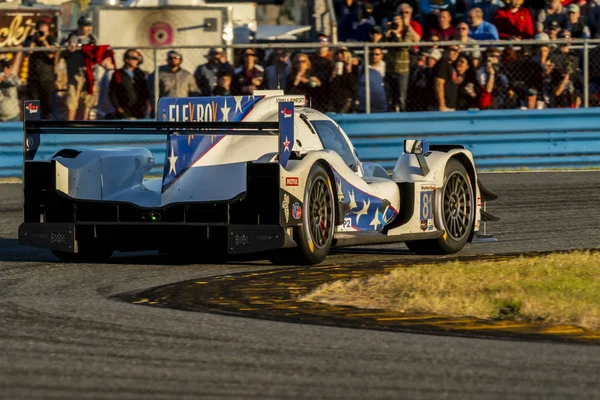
(430, 225)
(423, 225)
(32, 109)
(285, 204)
(287, 113)
(291, 181)
(297, 100)
(479, 202)
(296, 211)
(427, 188)
(426, 205)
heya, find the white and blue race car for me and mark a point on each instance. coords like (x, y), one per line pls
(246, 174)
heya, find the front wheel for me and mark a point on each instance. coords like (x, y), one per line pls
(456, 214)
(315, 235)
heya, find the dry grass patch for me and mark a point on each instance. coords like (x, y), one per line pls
(554, 289)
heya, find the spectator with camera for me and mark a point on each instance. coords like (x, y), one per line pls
(398, 62)
(9, 96)
(128, 91)
(41, 79)
(77, 85)
(492, 83)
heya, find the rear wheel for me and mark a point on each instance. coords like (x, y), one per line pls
(315, 235)
(457, 213)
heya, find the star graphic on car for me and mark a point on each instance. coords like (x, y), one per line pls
(363, 211)
(286, 144)
(172, 161)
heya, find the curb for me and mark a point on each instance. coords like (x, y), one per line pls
(273, 295)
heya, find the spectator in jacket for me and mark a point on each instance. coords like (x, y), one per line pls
(422, 82)
(573, 23)
(250, 76)
(9, 97)
(174, 81)
(276, 74)
(553, 11)
(41, 77)
(322, 68)
(77, 90)
(466, 81)
(480, 29)
(206, 74)
(514, 21)
(492, 83)
(129, 93)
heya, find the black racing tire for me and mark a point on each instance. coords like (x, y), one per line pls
(86, 254)
(315, 235)
(456, 215)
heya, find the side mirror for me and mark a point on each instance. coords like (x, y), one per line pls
(416, 146)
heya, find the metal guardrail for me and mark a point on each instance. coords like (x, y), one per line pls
(557, 138)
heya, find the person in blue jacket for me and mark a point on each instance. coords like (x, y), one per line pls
(480, 29)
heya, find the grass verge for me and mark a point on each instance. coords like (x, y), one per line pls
(552, 289)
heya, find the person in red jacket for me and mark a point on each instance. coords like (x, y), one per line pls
(513, 21)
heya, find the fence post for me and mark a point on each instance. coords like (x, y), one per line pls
(156, 86)
(586, 75)
(367, 81)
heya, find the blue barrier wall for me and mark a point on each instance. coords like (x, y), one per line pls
(509, 139)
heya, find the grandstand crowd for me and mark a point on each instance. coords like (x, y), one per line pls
(420, 76)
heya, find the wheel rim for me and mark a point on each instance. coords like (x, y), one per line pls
(458, 206)
(320, 216)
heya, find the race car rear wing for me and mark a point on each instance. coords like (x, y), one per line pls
(34, 127)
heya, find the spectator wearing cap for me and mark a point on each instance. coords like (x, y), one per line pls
(552, 12)
(77, 89)
(365, 23)
(487, 7)
(375, 36)
(553, 31)
(445, 80)
(421, 85)
(250, 76)
(564, 59)
(129, 93)
(398, 63)
(405, 11)
(514, 21)
(470, 47)
(322, 68)
(276, 74)
(573, 23)
(480, 29)
(206, 74)
(376, 89)
(173, 80)
(445, 31)
(41, 77)
(9, 96)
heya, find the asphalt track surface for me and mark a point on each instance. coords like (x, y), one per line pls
(61, 337)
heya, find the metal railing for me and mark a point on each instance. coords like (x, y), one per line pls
(587, 51)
